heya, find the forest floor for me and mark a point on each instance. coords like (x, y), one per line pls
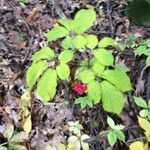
(21, 34)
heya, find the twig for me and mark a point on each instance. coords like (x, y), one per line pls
(110, 18)
(29, 31)
(148, 86)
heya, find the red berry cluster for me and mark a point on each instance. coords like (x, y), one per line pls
(80, 88)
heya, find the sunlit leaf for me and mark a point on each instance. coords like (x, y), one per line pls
(118, 79)
(27, 125)
(44, 53)
(63, 71)
(57, 32)
(9, 129)
(112, 99)
(20, 137)
(34, 72)
(104, 57)
(65, 56)
(46, 87)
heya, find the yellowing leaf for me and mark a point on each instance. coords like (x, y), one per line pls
(19, 147)
(57, 32)
(25, 99)
(9, 129)
(138, 146)
(20, 137)
(144, 124)
(27, 126)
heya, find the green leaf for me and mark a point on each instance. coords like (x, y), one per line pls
(108, 41)
(44, 53)
(118, 79)
(55, 33)
(69, 24)
(63, 71)
(97, 68)
(121, 68)
(91, 41)
(3, 148)
(19, 137)
(86, 75)
(79, 42)
(147, 52)
(112, 138)
(149, 104)
(34, 72)
(144, 113)
(120, 135)
(104, 57)
(46, 87)
(84, 63)
(119, 127)
(148, 61)
(84, 19)
(140, 102)
(94, 91)
(112, 99)
(67, 43)
(78, 71)
(84, 101)
(140, 50)
(65, 56)
(110, 122)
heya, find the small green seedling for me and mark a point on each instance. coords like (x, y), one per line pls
(145, 112)
(144, 49)
(78, 139)
(115, 132)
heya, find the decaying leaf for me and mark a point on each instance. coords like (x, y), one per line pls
(27, 126)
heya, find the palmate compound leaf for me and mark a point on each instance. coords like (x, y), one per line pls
(63, 71)
(108, 41)
(84, 19)
(44, 53)
(94, 91)
(104, 57)
(34, 72)
(65, 56)
(118, 79)
(84, 101)
(91, 40)
(112, 99)
(55, 33)
(46, 86)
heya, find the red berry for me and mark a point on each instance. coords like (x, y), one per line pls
(80, 88)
